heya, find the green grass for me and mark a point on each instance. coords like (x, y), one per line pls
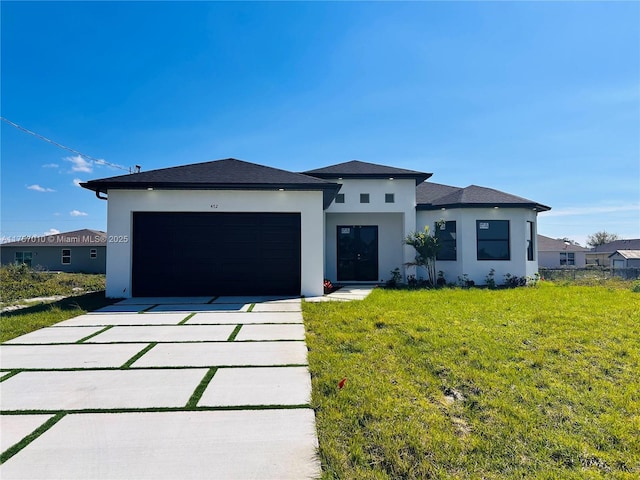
(25, 320)
(18, 282)
(535, 383)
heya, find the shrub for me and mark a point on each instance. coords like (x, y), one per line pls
(490, 279)
(635, 287)
(395, 279)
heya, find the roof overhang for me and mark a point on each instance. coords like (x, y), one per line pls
(329, 190)
(418, 178)
(528, 206)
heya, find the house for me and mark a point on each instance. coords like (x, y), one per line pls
(230, 227)
(600, 255)
(555, 253)
(80, 251)
(625, 259)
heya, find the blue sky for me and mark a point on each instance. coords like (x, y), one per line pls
(538, 99)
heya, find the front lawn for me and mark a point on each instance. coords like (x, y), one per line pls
(525, 383)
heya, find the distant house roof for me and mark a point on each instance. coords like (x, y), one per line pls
(226, 174)
(547, 244)
(632, 244)
(77, 238)
(628, 254)
(434, 196)
(358, 169)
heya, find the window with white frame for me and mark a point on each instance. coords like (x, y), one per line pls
(567, 258)
(66, 256)
(93, 253)
(340, 198)
(24, 258)
(364, 198)
(389, 198)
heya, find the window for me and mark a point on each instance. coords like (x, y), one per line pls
(567, 258)
(446, 235)
(24, 257)
(66, 256)
(340, 198)
(93, 253)
(531, 248)
(364, 198)
(493, 239)
(389, 198)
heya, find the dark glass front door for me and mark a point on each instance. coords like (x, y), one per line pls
(357, 253)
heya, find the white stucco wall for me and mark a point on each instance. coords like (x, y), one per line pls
(466, 244)
(395, 220)
(122, 204)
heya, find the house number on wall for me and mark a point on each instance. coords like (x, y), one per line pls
(214, 205)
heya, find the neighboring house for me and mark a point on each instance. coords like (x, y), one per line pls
(600, 255)
(554, 253)
(231, 227)
(80, 251)
(625, 259)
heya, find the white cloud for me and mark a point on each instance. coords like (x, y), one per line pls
(38, 188)
(590, 210)
(50, 165)
(52, 231)
(78, 213)
(77, 182)
(80, 164)
(57, 214)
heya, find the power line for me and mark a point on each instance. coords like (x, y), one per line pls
(97, 161)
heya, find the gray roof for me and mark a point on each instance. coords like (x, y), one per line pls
(226, 174)
(358, 169)
(631, 244)
(628, 254)
(547, 244)
(434, 196)
(77, 238)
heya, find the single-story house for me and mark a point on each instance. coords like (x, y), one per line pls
(556, 253)
(625, 259)
(80, 251)
(600, 255)
(230, 227)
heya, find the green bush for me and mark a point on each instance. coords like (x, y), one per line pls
(635, 287)
(18, 282)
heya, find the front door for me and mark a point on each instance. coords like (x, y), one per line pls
(357, 253)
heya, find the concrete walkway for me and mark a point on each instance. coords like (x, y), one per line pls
(163, 388)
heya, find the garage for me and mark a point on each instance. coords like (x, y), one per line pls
(201, 253)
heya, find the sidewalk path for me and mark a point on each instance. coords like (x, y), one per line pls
(162, 388)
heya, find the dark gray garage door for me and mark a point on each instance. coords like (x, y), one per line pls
(186, 253)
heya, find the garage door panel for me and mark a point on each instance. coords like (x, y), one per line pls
(188, 253)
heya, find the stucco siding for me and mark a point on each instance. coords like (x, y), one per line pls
(122, 204)
(466, 245)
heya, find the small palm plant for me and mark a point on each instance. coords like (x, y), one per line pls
(426, 246)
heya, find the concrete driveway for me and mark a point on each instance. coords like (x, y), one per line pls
(162, 388)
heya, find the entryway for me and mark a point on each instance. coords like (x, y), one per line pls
(357, 253)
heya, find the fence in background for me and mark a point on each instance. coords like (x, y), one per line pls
(593, 273)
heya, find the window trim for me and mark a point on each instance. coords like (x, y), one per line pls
(67, 256)
(93, 253)
(365, 198)
(389, 198)
(496, 239)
